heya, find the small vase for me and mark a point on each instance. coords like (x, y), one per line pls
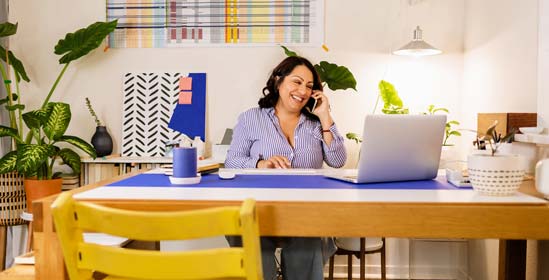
(102, 141)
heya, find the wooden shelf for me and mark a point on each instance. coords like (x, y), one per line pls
(95, 170)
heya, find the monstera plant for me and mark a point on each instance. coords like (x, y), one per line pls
(332, 75)
(37, 134)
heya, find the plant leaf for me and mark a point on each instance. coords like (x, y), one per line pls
(389, 95)
(337, 77)
(11, 132)
(288, 52)
(430, 109)
(30, 157)
(8, 29)
(353, 136)
(35, 119)
(17, 65)
(58, 120)
(71, 158)
(508, 138)
(83, 41)
(8, 163)
(441, 109)
(491, 130)
(81, 144)
(15, 107)
(391, 110)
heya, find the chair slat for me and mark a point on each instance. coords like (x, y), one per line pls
(211, 263)
(151, 226)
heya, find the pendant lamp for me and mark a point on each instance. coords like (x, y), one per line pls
(417, 47)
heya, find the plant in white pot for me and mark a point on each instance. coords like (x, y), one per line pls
(492, 172)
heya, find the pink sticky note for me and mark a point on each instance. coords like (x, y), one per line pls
(186, 97)
(186, 83)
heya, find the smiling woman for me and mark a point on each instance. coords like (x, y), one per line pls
(283, 133)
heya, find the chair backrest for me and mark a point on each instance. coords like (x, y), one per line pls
(72, 218)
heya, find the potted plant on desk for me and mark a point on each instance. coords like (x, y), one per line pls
(34, 153)
(101, 139)
(492, 172)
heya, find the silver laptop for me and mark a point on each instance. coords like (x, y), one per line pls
(397, 148)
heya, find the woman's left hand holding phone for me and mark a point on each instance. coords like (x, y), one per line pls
(322, 107)
(274, 162)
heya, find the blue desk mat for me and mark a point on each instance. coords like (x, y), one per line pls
(281, 181)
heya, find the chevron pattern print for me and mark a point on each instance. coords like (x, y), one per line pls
(149, 101)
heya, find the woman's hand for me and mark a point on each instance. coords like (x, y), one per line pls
(274, 162)
(322, 108)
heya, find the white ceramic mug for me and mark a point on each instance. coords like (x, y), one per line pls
(542, 177)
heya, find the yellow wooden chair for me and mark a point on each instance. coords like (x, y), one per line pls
(83, 259)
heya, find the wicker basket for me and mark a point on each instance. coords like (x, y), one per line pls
(12, 199)
(498, 175)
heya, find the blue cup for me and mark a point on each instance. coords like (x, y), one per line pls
(184, 162)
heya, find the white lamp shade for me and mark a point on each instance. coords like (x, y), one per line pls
(417, 47)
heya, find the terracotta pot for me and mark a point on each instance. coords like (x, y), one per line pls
(37, 189)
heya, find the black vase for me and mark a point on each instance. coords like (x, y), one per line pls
(102, 141)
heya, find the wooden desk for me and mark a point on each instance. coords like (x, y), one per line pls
(18, 272)
(353, 219)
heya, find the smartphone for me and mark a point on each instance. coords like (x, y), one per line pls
(311, 105)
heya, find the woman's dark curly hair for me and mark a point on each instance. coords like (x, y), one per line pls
(270, 91)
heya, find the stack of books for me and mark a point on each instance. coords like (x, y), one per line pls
(70, 181)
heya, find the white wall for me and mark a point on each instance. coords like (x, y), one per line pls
(360, 35)
(500, 58)
(543, 67)
(500, 75)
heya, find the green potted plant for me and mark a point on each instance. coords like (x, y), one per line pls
(332, 75)
(37, 133)
(101, 139)
(492, 172)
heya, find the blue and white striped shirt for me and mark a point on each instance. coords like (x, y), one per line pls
(258, 135)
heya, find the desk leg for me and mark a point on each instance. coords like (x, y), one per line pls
(512, 260)
(49, 262)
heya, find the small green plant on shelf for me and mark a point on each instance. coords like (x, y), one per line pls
(492, 139)
(92, 112)
(449, 130)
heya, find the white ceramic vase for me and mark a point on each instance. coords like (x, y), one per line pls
(500, 174)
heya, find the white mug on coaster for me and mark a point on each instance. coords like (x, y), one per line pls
(542, 177)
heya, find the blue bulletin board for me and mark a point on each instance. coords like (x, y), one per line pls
(189, 115)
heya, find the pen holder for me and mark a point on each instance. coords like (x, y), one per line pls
(184, 166)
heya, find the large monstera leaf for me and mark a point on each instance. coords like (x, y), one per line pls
(30, 157)
(83, 41)
(59, 117)
(336, 77)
